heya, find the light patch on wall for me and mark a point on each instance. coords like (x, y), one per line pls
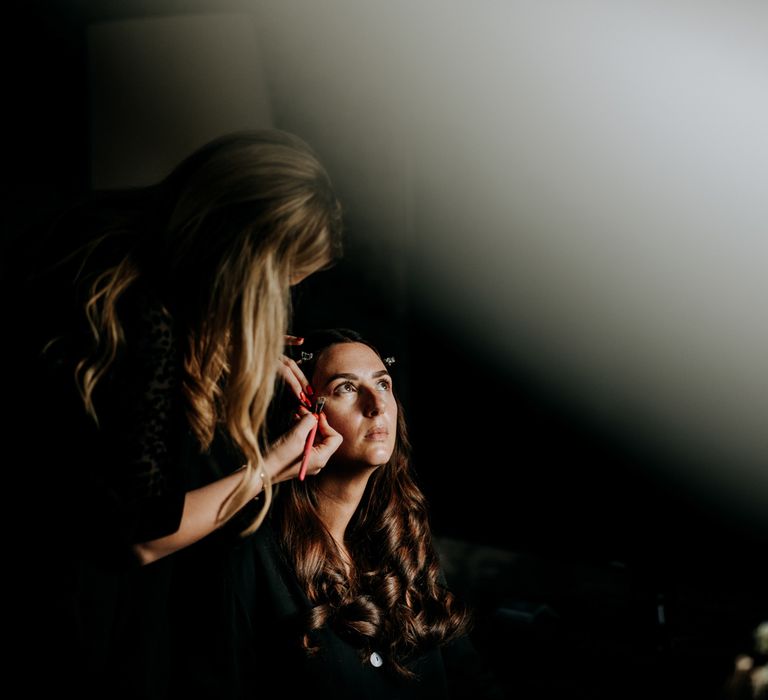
(592, 204)
(587, 193)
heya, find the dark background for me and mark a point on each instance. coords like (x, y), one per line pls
(593, 571)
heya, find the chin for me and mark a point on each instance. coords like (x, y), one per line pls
(379, 457)
(367, 459)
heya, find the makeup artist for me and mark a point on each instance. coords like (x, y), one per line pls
(345, 594)
(157, 319)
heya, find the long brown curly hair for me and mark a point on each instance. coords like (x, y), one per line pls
(393, 597)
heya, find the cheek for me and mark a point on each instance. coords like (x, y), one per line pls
(339, 420)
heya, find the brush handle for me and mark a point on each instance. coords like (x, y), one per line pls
(307, 452)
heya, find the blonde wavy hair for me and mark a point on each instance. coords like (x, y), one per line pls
(223, 236)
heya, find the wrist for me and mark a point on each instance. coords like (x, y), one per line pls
(261, 480)
(258, 480)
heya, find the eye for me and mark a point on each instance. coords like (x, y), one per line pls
(384, 384)
(345, 388)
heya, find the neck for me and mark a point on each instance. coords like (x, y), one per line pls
(338, 497)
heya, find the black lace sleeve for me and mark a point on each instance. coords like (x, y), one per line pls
(145, 427)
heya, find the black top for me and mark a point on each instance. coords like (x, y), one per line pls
(263, 649)
(88, 618)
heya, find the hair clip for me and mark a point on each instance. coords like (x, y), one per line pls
(306, 356)
(389, 361)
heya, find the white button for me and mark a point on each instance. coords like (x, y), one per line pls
(376, 660)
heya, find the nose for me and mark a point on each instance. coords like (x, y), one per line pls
(375, 403)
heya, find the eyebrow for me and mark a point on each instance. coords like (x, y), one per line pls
(346, 375)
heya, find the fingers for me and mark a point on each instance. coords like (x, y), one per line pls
(324, 427)
(301, 411)
(326, 442)
(293, 382)
(330, 441)
(288, 451)
(304, 426)
(294, 378)
(292, 374)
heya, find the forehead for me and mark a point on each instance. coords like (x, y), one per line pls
(348, 358)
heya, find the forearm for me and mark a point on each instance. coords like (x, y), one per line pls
(200, 517)
(202, 506)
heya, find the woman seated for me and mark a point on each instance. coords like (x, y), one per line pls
(345, 597)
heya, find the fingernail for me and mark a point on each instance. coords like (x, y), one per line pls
(303, 398)
(310, 391)
(299, 340)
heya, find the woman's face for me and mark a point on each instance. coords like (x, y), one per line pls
(359, 402)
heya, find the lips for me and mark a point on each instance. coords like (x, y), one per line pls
(377, 434)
